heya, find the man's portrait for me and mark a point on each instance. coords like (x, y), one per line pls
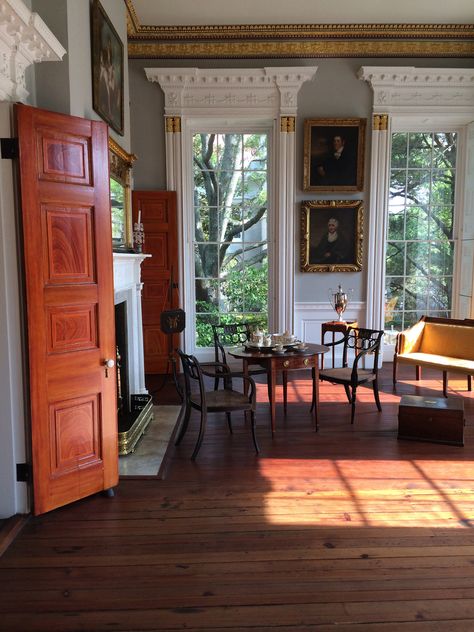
(334, 154)
(107, 56)
(331, 236)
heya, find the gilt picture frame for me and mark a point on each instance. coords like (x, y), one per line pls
(107, 69)
(334, 154)
(331, 235)
(120, 171)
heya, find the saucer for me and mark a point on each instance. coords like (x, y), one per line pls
(302, 350)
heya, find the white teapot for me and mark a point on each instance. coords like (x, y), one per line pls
(257, 336)
(287, 337)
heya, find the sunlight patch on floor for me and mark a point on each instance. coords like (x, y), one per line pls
(373, 493)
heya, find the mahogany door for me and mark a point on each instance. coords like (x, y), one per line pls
(158, 216)
(70, 305)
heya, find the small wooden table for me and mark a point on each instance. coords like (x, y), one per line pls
(288, 361)
(334, 326)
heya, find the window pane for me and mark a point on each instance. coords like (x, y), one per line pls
(399, 150)
(442, 186)
(416, 293)
(418, 186)
(440, 293)
(419, 150)
(444, 150)
(417, 258)
(417, 223)
(441, 222)
(396, 221)
(442, 257)
(398, 186)
(395, 258)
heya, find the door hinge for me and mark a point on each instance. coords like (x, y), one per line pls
(23, 472)
(9, 148)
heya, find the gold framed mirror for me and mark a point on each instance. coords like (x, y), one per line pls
(120, 164)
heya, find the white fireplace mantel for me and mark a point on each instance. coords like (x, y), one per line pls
(128, 288)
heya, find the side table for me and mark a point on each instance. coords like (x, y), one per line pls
(335, 326)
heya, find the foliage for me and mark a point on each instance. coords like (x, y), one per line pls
(230, 204)
(420, 246)
(117, 202)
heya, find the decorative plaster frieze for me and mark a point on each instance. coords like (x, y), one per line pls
(188, 90)
(410, 88)
(24, 40)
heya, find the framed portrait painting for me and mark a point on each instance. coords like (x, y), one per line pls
(331, 235)
(334, 154)
(107, 69)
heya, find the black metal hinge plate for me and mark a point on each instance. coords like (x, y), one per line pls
(9, 148)
(23, 472)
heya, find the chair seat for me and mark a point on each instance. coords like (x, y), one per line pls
(344, 374)
(223, 401)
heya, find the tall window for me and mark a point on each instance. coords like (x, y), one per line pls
(420, 239)
(230, 238)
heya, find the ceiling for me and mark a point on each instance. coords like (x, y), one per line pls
(220, 29)
(213, 12)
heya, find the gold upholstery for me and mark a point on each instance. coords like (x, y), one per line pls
(441, 343)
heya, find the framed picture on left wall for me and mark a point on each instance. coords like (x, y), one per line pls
(107, 69)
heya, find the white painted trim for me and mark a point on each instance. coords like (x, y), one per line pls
(128, 288)
(24, 40)
(406, 90)
(378, 213)
(417, 99)
(310, 316)
(13, 497)
(236, 99)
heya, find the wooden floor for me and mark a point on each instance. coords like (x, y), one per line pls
(346, 529)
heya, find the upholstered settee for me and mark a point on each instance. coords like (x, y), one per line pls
(440, 343)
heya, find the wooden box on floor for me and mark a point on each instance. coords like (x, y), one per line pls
(434, 419)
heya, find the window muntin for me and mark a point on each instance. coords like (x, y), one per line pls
(230, 197)
(420, 238)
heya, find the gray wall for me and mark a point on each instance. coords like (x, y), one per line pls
(334, 92)
(66, 86)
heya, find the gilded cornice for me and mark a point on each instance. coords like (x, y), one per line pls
(294, 49)
(297, 40)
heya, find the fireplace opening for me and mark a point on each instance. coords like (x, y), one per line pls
(134, 411)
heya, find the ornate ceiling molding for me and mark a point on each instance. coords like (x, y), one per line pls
(262, 90)
(399, 88)
(24, 40)
(297, 40)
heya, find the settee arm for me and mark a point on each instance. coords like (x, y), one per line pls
(408, 341)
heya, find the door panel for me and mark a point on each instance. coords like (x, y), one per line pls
(70, 305)
(158, 215)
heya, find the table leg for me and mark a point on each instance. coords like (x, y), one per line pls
(245, 367)
(333, 338)
(272, 383)
(285, 389)
(315, 373)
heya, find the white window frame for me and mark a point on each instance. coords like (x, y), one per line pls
(400, 126)
(264, 97)
(237, 126)
(420, 99)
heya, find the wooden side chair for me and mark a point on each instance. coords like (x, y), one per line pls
(361, 342)
(224, 400)
(234, 334)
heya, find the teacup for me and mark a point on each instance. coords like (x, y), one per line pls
(279, 347)
(301, 346)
